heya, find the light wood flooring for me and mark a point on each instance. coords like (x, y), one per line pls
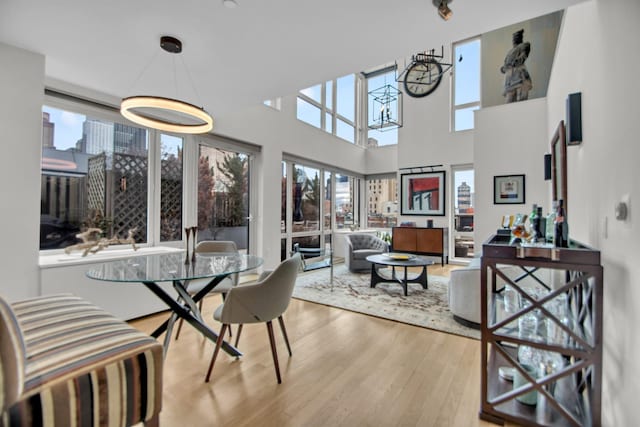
(347, 369)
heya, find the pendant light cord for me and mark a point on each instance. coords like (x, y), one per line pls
(144, 70)
(193, 87)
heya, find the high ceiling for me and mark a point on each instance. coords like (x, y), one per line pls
(235, 58)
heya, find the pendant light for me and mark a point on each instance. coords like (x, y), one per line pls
(135, 108)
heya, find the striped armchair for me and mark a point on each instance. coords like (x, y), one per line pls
(64, 362)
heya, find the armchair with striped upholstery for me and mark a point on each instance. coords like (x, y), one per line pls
(66, 362)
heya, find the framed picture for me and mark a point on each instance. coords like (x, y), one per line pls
(508, 190)
(422, 193)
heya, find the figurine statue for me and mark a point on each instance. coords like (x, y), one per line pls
(92, 242)
(517, 81)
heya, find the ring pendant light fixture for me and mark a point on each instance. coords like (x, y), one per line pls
(132, 107)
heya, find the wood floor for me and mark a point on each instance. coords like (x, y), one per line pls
(347, 369)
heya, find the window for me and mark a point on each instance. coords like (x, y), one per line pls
(223, 196)
(315, 201)
(171, 183)
(330, 106)
(463, 208)
(346, 201)
(383, 211)
(466, 83)
(95, 174)
(275, 103)
(375, 80)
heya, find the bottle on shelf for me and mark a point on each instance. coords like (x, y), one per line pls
(534, 221)
(561, 234)
(541, 229)
(550, 226)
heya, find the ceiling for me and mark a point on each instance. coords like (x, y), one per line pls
(235, 58)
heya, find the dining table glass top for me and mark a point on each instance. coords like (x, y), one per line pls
(171, 267)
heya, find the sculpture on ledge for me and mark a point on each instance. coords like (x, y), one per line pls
(92, 242)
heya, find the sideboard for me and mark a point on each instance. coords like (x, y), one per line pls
(422, 241)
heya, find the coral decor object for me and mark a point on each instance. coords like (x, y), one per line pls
(92, 242)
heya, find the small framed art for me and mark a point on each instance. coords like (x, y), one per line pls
(508, 190)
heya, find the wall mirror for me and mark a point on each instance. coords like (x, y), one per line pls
(559, 164)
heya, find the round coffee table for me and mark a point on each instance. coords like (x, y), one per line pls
(394, 260)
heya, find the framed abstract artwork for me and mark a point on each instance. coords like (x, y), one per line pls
(508, 190)
(422, 193)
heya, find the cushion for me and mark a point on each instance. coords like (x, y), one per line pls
(364, 253)
(12, 357)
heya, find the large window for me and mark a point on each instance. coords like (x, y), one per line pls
(223, 196)
(466, 83)
(375, 80)
(330, 106)
(382, 201)
(95, 174)
(315, 201)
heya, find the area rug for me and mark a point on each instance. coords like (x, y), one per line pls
(428, 308)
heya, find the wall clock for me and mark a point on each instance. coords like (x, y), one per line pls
(422, 77)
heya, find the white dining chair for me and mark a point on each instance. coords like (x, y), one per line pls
(261, 302)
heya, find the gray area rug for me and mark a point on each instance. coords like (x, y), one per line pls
(428, 308)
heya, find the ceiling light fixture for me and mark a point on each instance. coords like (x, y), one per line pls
(443, 8)
(134, 108)
(230, 4)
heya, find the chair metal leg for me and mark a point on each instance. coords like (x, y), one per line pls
(216, 350)
(237, 334)
(274, 352)
(284, 334)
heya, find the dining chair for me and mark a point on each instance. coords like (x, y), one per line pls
(260, 302)
(196, 285)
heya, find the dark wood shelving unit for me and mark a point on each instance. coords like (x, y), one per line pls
(562, 291)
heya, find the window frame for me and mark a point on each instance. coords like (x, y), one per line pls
(331, 110)
(325, 233)
(370, 180)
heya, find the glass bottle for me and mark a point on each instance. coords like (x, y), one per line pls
(551, 217)
(534, 220)
(541, 229)
(561, 235)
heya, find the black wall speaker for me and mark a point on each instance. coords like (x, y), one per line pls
(574, 118)
(547, 167)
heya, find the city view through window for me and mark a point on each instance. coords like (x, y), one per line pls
(94, 175)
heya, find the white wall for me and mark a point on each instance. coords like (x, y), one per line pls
(509, 140)
(22, 89)
(598, 56)
(426, 139)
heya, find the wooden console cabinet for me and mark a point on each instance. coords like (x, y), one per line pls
(421, 241)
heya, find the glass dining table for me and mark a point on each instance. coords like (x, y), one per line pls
(151, 270)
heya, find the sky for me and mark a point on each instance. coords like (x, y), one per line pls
(67, 129)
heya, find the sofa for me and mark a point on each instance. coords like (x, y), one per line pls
(359, 247)
(66, 362)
